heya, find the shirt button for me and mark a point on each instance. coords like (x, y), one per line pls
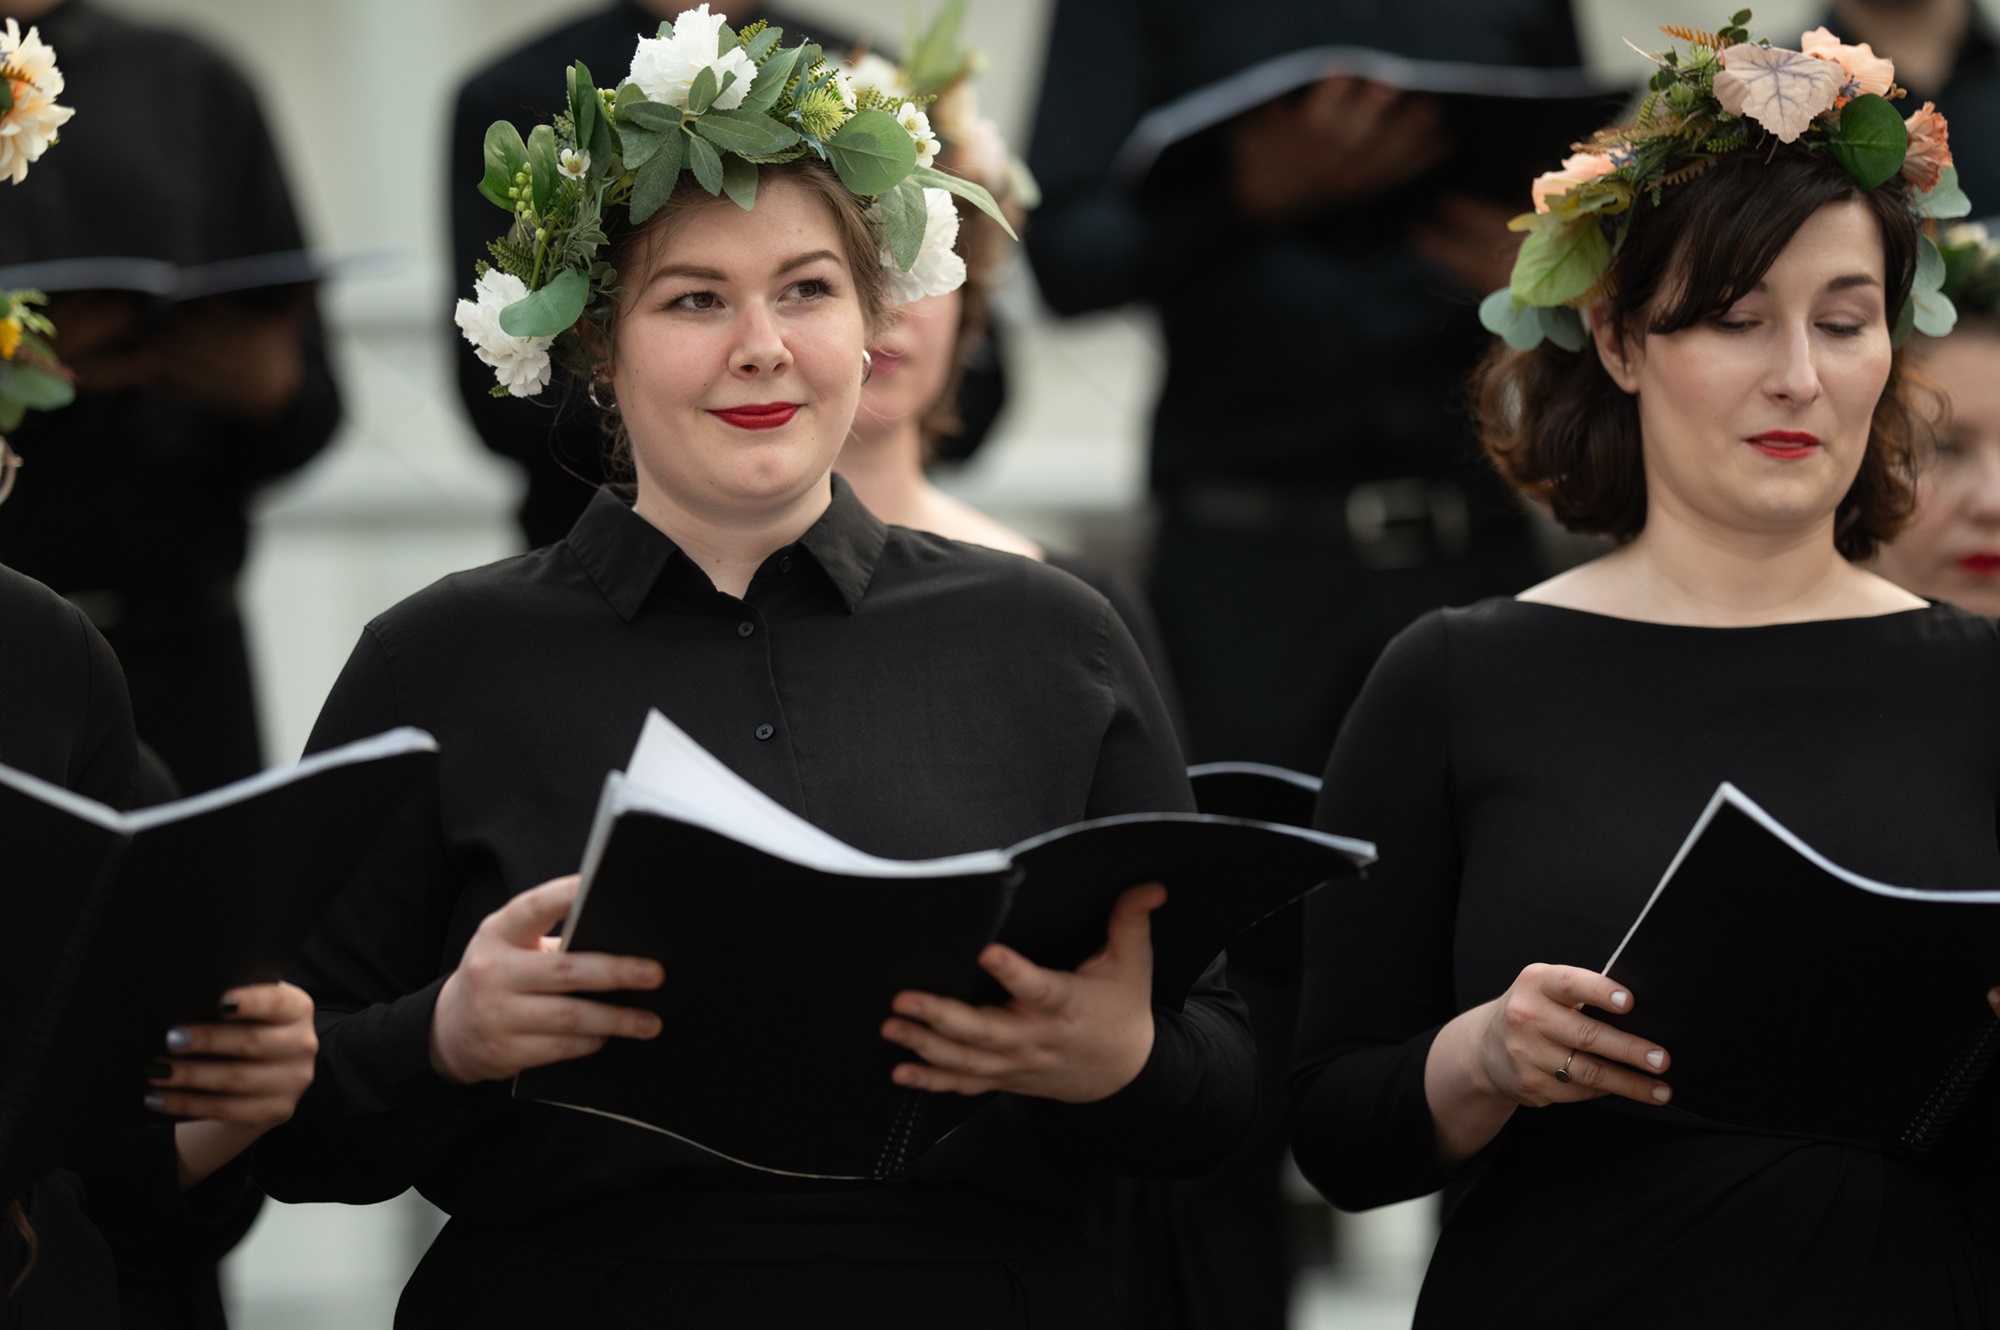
(745, 628)
(785, 564)
(765, 731)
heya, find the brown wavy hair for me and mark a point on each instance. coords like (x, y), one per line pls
(984, 247)
(627, 247)
(1562, 432)
(19, 1219)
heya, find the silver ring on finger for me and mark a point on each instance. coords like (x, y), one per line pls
(1562, 1072)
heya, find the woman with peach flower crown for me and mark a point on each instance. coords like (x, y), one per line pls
(708, 247)
(1702, 360)
(1951, 548)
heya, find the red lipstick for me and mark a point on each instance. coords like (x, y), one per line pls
(1984, 564)
(1787, 445)
(767, 415)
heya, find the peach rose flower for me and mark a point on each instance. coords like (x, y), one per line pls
(1930, 149)
(1866, 72)
(1577, 170)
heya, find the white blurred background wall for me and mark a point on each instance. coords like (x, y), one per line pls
(360, 93)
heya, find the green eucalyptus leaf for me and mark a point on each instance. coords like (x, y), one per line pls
(543, 168)
(1563, 325)
(932, 178)
(739, 181)
(936, 57)
(550, 311)
(725, 37)
(1943, 200)
(505, 155)
(871, 153)
(772, 76)
(702, 92)
(640, 144)
(628, 94)
(651, 115)
(1871, 141)
(763, 44)
(1935, 315)
(584, 108)
(752, 134)
(657, 178)
(903, 219)
(1520, 328)
(706, 162)
(35, 389)
(1930, 266)
(11, 411)
(1560, 262)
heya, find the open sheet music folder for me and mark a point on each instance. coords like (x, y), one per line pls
(783, 947)
(122, 925)
(1796, 996)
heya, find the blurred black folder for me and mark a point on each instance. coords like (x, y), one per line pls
(1256, 790)
(171, 283)
(1508, 123)
(783, 947)
(1798, 997)
(122, 925)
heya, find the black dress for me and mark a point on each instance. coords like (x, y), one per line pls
(1528, 772)
(64, 717)
(912, 695)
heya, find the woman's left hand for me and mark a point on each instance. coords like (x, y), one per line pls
(1076, 1037)
(238, 1077)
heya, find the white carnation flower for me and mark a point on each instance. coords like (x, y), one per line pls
(843, 84)
(1966, 233)
(665, 67)
(29, 126)
(918, 126)
(938, 270)
(573, 164)
(872, 71)
(521, 364)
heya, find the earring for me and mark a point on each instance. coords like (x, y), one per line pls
(867, 367)
(591, 392)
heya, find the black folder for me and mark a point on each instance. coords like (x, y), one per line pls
(1798, 997)
(1256, 790)
(122, 925)
(783, 948)
(172, 283)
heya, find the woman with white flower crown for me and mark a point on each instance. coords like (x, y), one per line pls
(711, 263)
(1701, 361)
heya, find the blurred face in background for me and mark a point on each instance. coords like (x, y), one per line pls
(1951, 548)
(914, 357)
(737, 356)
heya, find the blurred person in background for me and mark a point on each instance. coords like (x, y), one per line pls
(1951, 549)
(1317, 487)
(1948, 53)
(560, 445)
(183, 409)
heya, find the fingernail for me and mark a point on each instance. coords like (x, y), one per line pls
(1657, 1058)
(159, 1071)
(228, 1006)
(180, 1039)
(1620, 998)
(1661, 1094)
(157, 1102)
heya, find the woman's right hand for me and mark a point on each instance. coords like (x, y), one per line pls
(509, 1005)
(1533, 1046)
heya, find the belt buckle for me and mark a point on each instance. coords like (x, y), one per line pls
(1407, 523)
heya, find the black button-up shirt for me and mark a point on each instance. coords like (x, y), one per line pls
(912, 695)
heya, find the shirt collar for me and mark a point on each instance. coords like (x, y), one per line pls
(624, 555)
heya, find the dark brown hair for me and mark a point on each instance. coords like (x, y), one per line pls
(627, 247)
(1561, 431)
(983, 246)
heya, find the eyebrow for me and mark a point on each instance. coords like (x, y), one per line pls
(711, 275)
(1847, 283)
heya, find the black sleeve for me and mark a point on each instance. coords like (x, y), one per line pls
(377, 1114)
(104, 759)
(1378, 957)
(1193, 1100)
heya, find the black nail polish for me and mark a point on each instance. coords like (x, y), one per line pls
(159, 1071)
(227, 1006)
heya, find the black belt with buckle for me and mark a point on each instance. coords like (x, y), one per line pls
(1405, 522)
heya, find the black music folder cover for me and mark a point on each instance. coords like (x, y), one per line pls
(1255, 790)
(1798, 997)
(783, 947)
(122, 925)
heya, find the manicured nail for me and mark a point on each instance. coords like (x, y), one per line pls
(1661, 1094)
(180, 1039)
(228, 1006)
(159, 1071)
(157, 1102)
(1620, 998)
(1656, 1059)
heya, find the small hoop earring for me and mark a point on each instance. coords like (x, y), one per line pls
(591, 392)
(867, 367)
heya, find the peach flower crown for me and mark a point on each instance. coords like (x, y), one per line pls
(1718, 93)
